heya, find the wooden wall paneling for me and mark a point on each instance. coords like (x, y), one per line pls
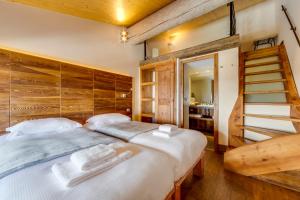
(77, 101)
(35, 88)
(32, 87)
(124, 95)
(165, 92)
(104, 92)
(4, 90)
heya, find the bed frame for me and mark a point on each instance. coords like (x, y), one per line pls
(197, 170)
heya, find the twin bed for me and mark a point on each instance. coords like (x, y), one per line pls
(155, 171)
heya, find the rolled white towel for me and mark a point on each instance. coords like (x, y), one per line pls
(163, 134)
(168, 128)
(69, 175)
(91, 157)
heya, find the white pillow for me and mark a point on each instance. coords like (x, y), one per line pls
(110, 118)
(46, 125)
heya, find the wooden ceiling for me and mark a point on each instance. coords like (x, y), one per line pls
(117, 12)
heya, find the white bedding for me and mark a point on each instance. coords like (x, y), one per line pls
(185, 147)
(148, 175)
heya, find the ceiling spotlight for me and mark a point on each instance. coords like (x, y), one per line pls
(124, 35)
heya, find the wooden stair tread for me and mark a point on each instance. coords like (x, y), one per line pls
(286, 179)
(243, 141)
(265, 81)
(263, 64)
(264, 131)
(269, 103)
(266, 92)
(275, 117)
(264, 72)
(262, 53)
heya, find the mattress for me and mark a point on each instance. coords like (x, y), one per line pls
(148, 175)
(185, 147)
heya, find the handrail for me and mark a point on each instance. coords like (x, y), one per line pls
(293, 28)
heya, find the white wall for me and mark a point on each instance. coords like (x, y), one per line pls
(228, 89)
(253, 23)
(68, 38)
(288, 37)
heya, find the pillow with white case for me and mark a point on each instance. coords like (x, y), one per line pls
(40, 126)
(107, 119)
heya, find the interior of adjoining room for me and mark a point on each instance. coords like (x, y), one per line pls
(199, 101)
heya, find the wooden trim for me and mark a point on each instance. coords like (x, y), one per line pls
(202, 49)
(216, 91)
(216, 102)
(293, 96)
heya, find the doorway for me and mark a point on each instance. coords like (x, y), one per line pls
(200, 96)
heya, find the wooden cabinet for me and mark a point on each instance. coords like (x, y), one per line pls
(158, 92)
(165, 92)
(201, 118)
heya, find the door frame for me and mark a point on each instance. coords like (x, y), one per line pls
(180, 64)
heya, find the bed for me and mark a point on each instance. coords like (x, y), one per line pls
(186, 148)
(135, 178)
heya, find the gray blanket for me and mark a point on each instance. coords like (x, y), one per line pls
(127, 130)
(25, 152)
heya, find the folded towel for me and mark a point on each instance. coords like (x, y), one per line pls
(69, 174)
(163, 134)
(89, 158)
(169, 128)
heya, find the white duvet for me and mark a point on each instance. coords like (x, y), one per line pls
(185, 147)
(148, 175)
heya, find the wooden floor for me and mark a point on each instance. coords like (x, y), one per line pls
(219, 184)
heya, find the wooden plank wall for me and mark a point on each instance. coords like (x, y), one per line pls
(32, 87)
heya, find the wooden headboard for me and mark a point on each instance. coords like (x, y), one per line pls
(33, 87)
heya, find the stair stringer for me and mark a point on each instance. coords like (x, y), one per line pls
(274, 155)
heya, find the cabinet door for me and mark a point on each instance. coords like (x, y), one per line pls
(165, 92)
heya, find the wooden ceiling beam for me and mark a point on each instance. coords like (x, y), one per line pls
(170, 16)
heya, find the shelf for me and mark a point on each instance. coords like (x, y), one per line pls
(148, 99)
(148, 114)
(148, 83)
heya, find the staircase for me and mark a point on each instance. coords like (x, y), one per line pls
(265, 122)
